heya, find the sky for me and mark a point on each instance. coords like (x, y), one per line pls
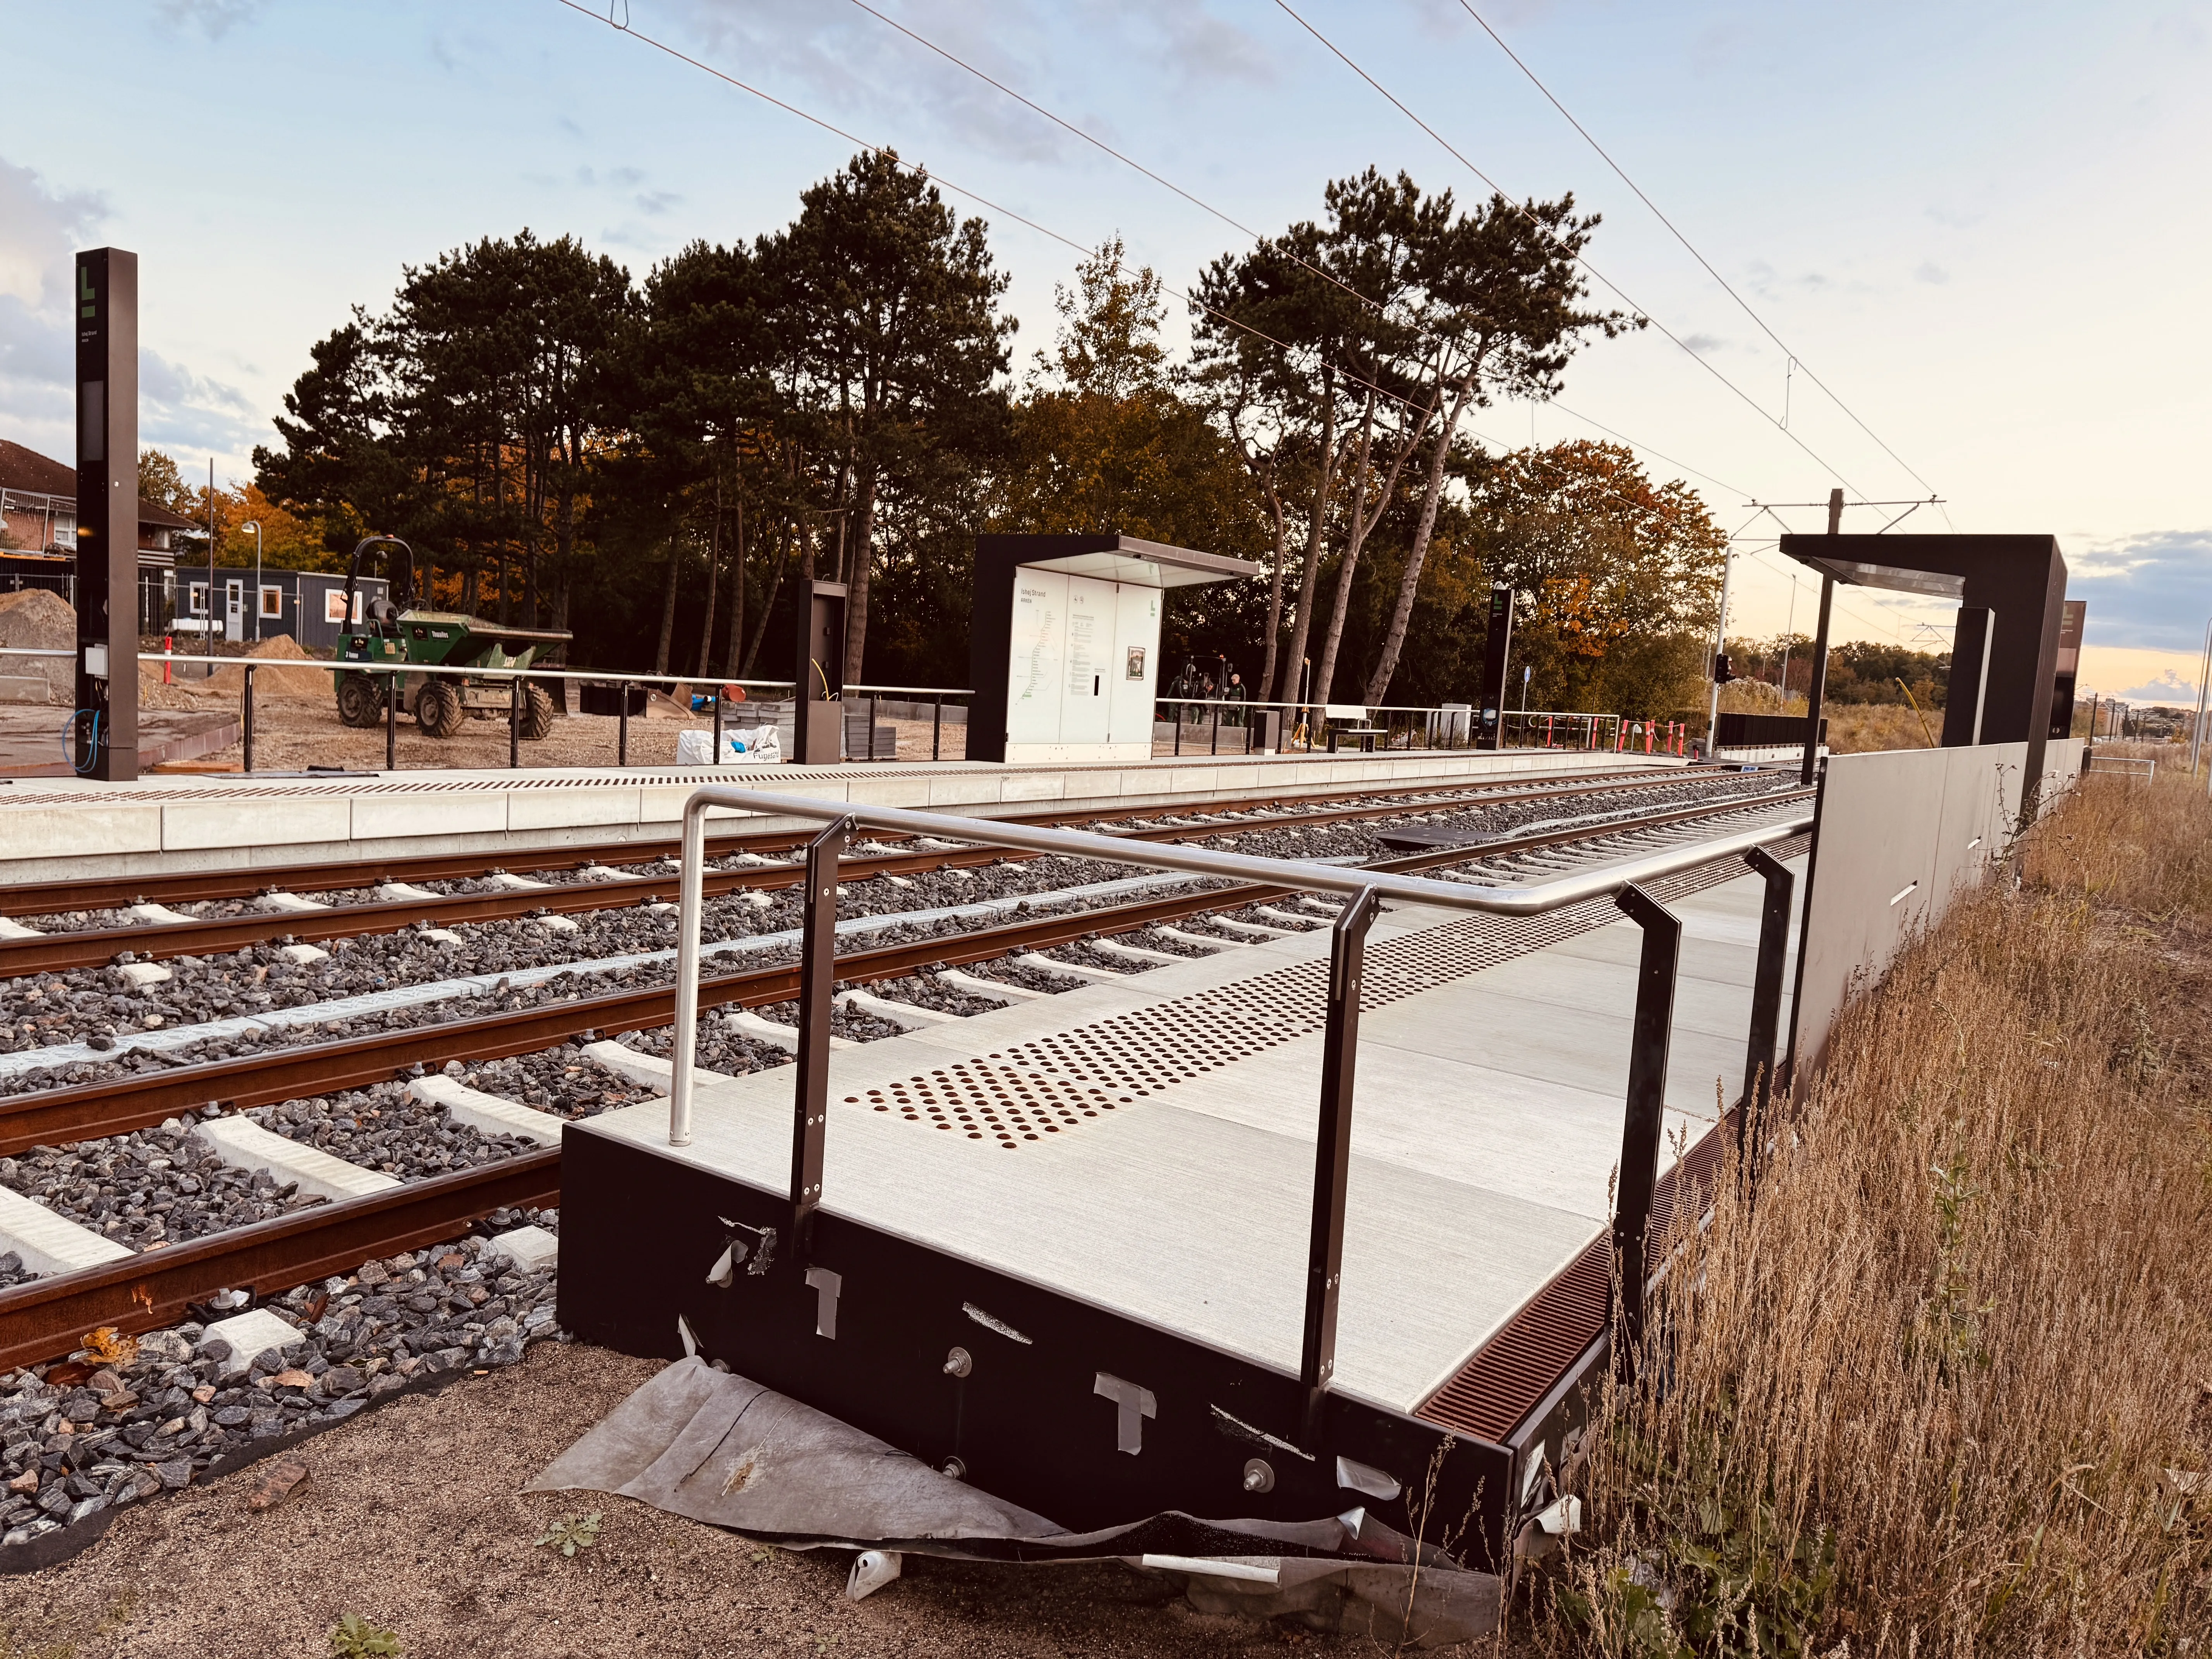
(1980, 226)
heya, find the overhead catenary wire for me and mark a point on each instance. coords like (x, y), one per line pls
(1100, 144)
(1796, 361)
(1453, 150)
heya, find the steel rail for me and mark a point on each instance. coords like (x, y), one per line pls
(93, 947)
(52, 1315)
(105, 892)
(55, 1117)
(1281, 874)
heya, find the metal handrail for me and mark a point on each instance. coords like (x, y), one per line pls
(1349, 880)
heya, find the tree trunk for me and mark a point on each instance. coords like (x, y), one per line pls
(768, 602)
(1275, 585)
(858, 564)
(1378, 684)
(668, 611)
(1325, 675)
(714, 571)
(1316, 523)
(472, 585)
(736, 603)
(1363, 525)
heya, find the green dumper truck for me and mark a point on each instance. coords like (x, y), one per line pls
(393, 630)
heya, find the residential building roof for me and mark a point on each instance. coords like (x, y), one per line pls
(27, 470)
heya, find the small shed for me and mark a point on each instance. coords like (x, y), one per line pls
(306, 605)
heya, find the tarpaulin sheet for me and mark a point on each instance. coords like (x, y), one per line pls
(719, 1449)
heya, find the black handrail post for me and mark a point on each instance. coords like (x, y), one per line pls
(1333, 1157)
(1216, 748)
(718, 726)
(514, 722)
(1178, 729)
(936, 724)
(249, 717)
(818, 976)
(392, 720)
(1766, 1007)
(622, 723)
(873, 701)
(1643, 1127)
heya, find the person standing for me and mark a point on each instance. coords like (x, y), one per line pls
(1235, 695)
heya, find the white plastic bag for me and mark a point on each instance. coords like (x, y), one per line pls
(756, 745)
(742, 746)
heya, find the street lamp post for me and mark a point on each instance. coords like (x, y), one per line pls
(254, 525)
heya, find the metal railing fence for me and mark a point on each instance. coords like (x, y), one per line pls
(1309, 726)
(719, 710)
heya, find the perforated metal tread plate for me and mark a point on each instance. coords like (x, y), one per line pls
(1051, 1086)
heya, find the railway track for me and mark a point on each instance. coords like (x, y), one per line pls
(307, 921)
(51, 1315)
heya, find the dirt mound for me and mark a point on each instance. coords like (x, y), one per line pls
(38, 619)
(276, 681)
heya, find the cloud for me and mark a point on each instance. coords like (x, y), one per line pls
(213, 18)
(2168, 687)
(2151, 592)
(1702, 343)
(896, 92)
(40, 230)
(1929, 272)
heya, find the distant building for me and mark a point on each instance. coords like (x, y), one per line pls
(38, 515)
(309, 605)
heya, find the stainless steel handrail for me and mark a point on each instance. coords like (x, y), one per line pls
(1351, 880)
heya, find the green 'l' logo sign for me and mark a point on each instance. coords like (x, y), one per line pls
(86, 298)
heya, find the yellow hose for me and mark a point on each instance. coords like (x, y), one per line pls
(1922, 718)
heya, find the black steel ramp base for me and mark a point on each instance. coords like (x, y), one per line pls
(1082, 1415)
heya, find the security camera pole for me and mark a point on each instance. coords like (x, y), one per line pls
(105, 733)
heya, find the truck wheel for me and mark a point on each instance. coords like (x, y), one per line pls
(360, 702)
(537, 713)
(438, 709)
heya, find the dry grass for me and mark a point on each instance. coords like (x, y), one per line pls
(1924, 1397)
(1854, 728)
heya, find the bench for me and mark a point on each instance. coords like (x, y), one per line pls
(1349, 720)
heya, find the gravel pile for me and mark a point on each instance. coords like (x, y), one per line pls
(157, 1186)
(1007, 971)
(83, 1435)
(562, 1081)
(1083, 956)
(385, 1128)
(721, 1049)
(1151, 939)
(925, 990)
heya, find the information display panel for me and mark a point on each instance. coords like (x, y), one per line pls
(1037, 663)
(1085, 705)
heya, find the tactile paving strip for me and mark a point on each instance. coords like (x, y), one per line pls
(1052, 1085)
(988, 1102)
